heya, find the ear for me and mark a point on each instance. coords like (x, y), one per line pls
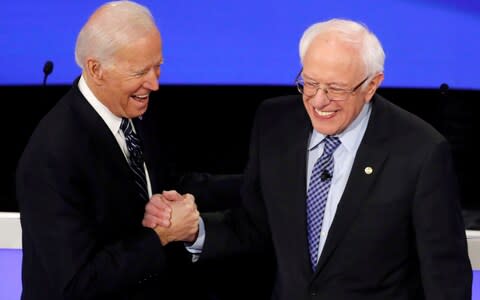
(94, 70)
(372, 86)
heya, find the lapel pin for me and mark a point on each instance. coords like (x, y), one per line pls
(368, 170)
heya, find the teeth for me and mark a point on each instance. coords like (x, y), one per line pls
(140, 97)
(323, 113)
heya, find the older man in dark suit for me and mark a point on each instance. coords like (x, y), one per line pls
(89, 169)
(357, 197)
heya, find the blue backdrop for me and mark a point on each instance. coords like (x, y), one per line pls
(251, 42)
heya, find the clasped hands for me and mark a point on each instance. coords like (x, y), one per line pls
(174, 217)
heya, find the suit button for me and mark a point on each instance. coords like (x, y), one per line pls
(313, 293)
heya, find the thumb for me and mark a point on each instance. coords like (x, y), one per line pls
(172, 195)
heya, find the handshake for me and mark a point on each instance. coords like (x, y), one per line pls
(174, 217)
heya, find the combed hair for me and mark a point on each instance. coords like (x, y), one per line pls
(120, 23)
(353, 33)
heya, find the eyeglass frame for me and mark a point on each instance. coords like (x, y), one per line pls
(325, 89)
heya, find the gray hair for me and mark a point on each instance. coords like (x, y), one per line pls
(351, 32)
(112, 26)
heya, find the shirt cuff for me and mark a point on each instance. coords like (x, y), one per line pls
(197, 246)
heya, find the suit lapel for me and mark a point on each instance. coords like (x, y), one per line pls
(285, 164)
(102, 139)
(296, 161)
(295, 199)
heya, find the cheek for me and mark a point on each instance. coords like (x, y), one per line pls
(347, 118)
(131, 87)
(125, 90)
(352, 111)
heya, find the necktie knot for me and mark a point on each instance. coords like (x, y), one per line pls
(133, 143)
(126, 127)
(331, 144)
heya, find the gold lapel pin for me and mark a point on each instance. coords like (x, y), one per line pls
(368, 170)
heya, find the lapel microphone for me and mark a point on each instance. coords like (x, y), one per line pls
(325, 175)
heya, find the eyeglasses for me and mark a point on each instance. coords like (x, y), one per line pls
(310, 89)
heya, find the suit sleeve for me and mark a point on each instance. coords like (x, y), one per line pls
(440, 233)
(244, 228)
(213, 192)
(61, 232)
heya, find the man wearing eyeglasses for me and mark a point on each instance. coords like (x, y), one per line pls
(378, 217)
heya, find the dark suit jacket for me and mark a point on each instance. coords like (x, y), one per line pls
(81, 214)
(397, 233)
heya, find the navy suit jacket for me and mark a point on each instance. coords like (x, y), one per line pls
(398, 232)
(81, 214)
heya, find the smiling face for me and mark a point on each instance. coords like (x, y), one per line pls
(338, 65)
(124, 86)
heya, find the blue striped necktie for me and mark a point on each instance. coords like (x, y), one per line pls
(136, 157)
(317, 194)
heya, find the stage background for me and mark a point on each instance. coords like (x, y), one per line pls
(251, 42)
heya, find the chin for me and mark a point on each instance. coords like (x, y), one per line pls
(324, 127)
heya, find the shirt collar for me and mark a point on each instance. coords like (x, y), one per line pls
(113, 122)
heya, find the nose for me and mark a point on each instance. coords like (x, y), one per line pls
(320, 98)
(151, 80)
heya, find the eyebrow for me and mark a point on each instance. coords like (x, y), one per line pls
(146, 68)
(341, 85)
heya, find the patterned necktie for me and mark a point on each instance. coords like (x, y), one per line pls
(136, 157)
(317, 195)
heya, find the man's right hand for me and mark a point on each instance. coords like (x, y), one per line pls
(174, 217)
